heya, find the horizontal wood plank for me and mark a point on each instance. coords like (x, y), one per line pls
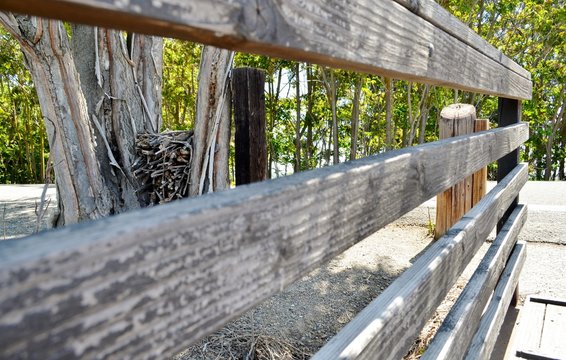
(145, 283)
(381, 37)
(440, 17)
(387, 327)
(455, 334)
(484, 340)
(554, 332)
(542, 329)
(531, 324)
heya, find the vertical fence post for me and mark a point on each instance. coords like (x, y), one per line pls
(249, 117)
(509, 112)
(452, 204)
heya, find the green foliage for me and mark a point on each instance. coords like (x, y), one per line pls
(531, 32)
(23, 144)
(180, 79)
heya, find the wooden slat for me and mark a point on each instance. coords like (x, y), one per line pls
(440, 17)
(548, 300)
(554, 331)
(386, 328)
(380, 37)
(454, 336)
(484, 340)
(148, 282)
(530, 336)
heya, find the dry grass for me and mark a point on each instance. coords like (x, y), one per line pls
(427, 334)
(239, 341)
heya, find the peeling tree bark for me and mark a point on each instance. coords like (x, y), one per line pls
(92, 108)
(209, 171)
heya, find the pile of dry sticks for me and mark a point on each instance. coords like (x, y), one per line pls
(163, 165)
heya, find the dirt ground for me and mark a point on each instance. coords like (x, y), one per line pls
(308, 313)
(297, 322)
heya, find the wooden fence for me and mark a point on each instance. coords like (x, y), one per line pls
(108, 289)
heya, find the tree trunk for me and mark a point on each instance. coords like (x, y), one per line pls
(336, 145)
(356, 117)
(309, 115)
(298, 119)
(209, 170)
(388, 113)
(273, 106)
(91, 115)
(409, 141)
(554, 126)
(329, 83)
(424, 113)
(122, 88)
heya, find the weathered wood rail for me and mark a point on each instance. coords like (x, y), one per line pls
(107, 289)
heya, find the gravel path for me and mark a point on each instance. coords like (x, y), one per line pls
(18, 205)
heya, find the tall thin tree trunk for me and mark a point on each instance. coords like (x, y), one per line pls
(423, 115)
(388, 113)
(555, 125)
(298, 119)
(336, 145)
(273, 105)
(356, 117)
(309, 115)
(329, 83)
(209, 171)
(411, 136)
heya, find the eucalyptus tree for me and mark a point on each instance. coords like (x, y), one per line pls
(98, 89)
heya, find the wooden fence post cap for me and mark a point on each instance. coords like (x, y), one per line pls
(457, 111)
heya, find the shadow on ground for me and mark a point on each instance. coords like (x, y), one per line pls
(301, 319)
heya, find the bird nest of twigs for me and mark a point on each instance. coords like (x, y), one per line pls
(163, 165)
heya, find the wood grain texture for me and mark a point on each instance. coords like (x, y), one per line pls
(484, 340)
(335, 33)
(387, 327)
(554, 331)
(440, 17)
(451, 205)
(145, 284)
(248, 98)
(542, 329)
(455, 334)
(531, 324)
